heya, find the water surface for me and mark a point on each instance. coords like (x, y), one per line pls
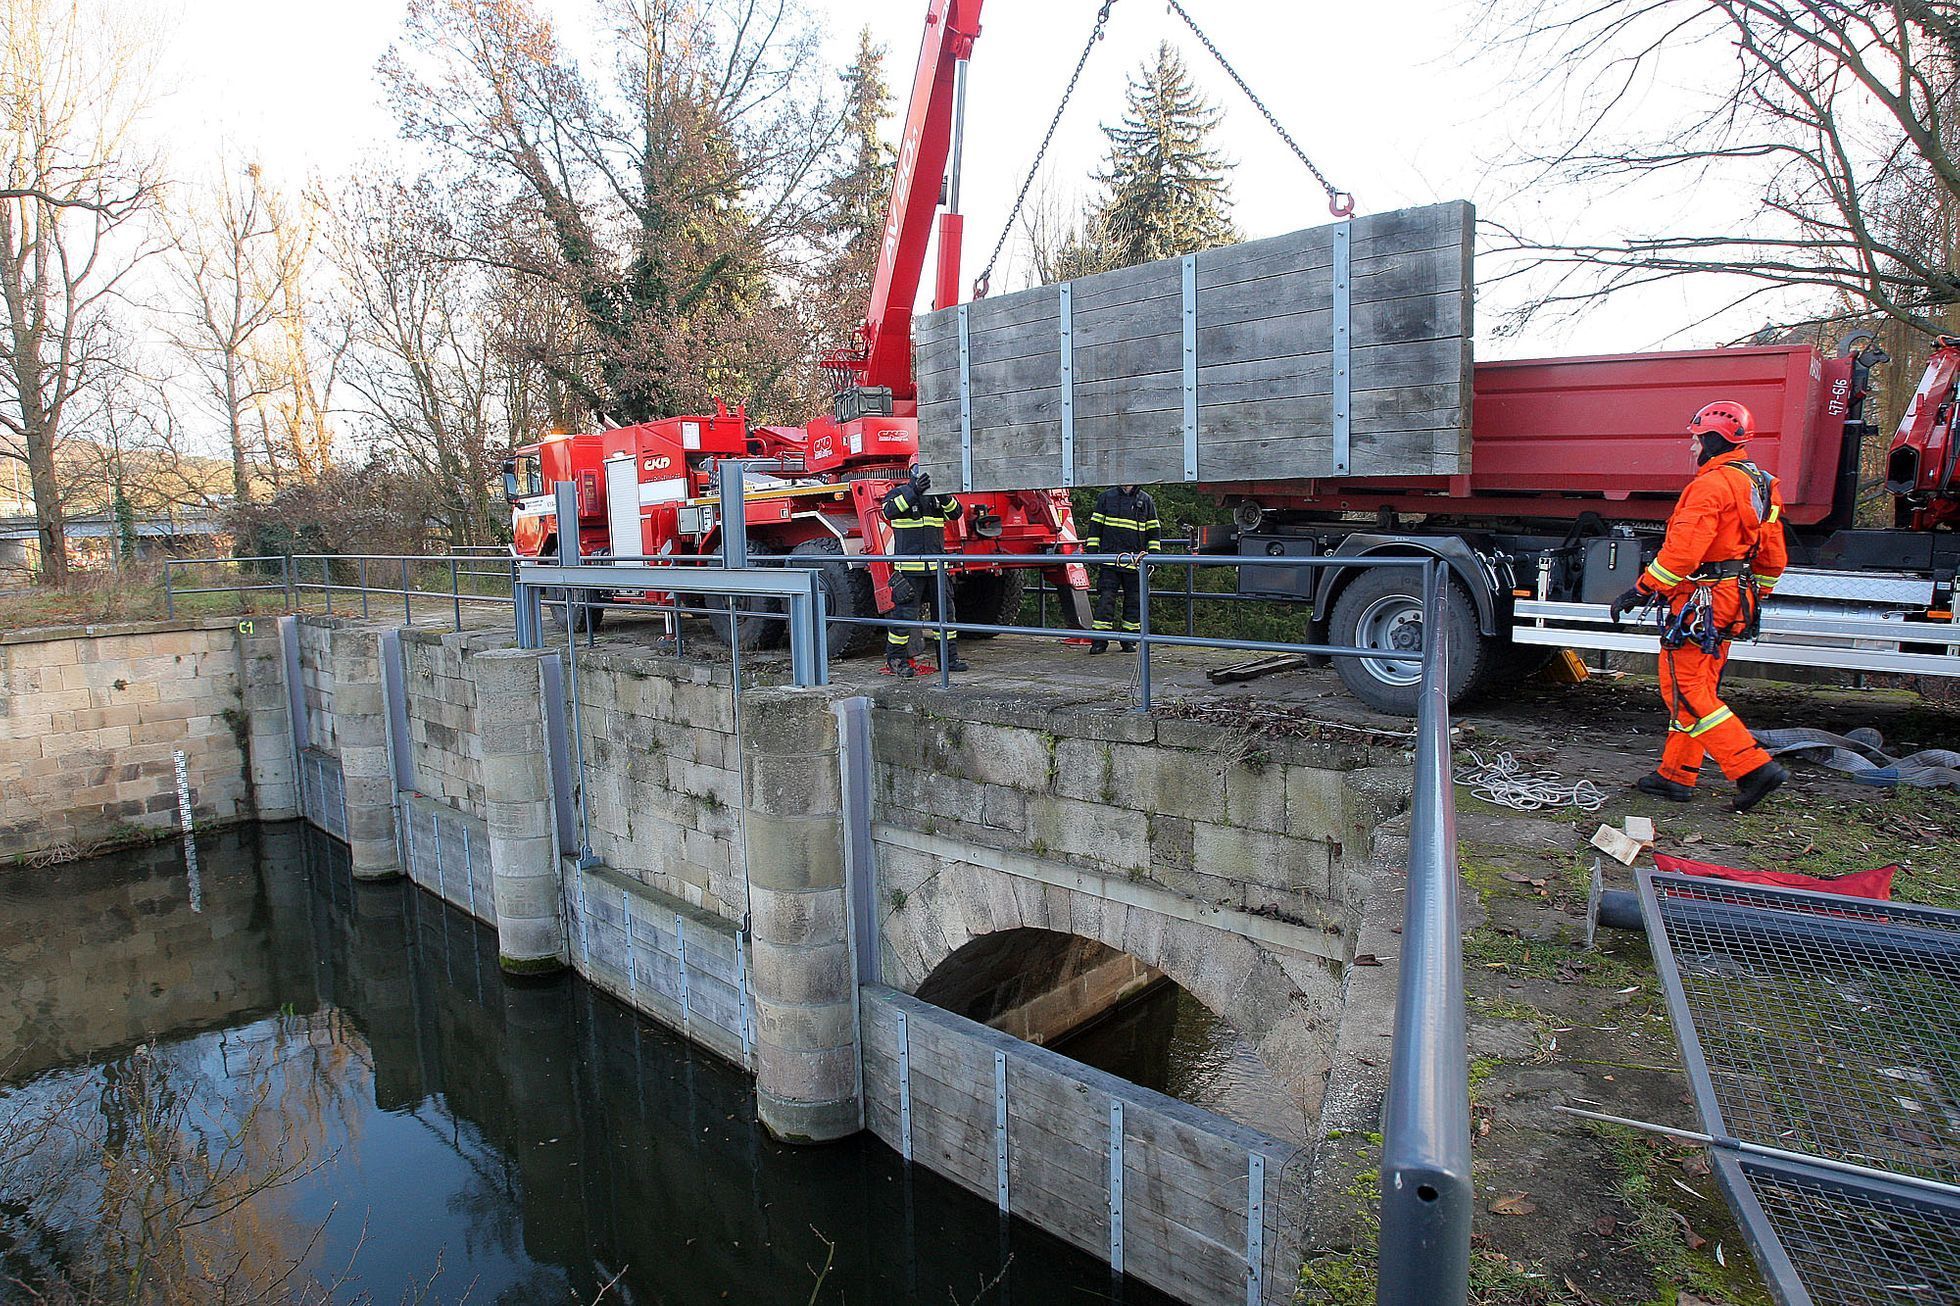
(357, 1102)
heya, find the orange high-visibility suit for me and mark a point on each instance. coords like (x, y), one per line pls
(1716, 527)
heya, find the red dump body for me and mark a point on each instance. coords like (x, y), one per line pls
(1555, 437)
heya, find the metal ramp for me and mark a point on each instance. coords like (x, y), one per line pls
(1821, 1036)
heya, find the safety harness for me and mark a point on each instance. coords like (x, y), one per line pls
(1695, 622)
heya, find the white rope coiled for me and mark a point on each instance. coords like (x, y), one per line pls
(1504, 782)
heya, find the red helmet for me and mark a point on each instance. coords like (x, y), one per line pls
(1725, 418)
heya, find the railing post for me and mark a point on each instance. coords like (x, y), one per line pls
(169, 595)
(939, 611)
(1425, 1176)
(362, 572)
(1143, 633)
(286, 577)
(408, 610)
(1191, 587)
(455, 595)
(326, 581)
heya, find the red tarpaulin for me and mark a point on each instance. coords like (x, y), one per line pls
(1875, 883)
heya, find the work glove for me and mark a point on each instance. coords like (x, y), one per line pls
(922, 480)
(1627, 602)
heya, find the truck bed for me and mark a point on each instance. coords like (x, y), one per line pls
(1554, 437)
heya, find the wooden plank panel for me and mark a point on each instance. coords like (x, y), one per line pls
(1265, 336)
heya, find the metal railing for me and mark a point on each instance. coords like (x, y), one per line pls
(1426, 1194)
(362, 581)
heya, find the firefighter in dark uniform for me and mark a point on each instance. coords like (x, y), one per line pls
(1125, 521)
(918, 519)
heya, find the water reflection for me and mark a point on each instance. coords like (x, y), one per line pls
(1167, 1040)
(340, 1078)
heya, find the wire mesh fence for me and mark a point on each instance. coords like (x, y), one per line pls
(1823, 1025)
(1848, 1244)
(1821, 1036)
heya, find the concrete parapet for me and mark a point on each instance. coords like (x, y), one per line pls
(361, 731)
(517, 809)
(806, 1038)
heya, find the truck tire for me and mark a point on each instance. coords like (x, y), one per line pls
(846, 592)
(758, 623)
(584, 618)
(1382, 608)
(990, 598)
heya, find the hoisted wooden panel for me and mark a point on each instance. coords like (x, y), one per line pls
(1315, 354)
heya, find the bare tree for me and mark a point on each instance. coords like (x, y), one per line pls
(229, 277)
(430, 380)
(669, 200)
(1815, 145)
(72, 83)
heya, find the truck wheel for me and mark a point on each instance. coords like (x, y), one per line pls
(758, 623)
(1382, 609)
(584, 618)
(990, 598)
(846, 592)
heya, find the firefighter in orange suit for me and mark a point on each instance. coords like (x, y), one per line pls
(1723, 553)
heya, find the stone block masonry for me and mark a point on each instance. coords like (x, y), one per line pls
(91, 721)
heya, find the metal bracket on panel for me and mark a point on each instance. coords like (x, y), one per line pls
(1067, 319)
(1255, 1228)
(742, 997)
(966, 403)
(680, 958)
(632, 972)
(1000, 1130)
(584, 927)
(469, 869)
(904, 1090)
(1188, 265)
(1116, 1184)
(442, 881)
(1343, 376)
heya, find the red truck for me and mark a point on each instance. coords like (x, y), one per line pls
(1575, 464)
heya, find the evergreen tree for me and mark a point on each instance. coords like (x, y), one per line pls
(1165, 191)
(857, 192)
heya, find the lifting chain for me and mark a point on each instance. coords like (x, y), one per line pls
(1339, 202)
(981, 282)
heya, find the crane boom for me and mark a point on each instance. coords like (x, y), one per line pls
(932, 123)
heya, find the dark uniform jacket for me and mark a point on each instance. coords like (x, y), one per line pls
(918, 523)
(1124, 523)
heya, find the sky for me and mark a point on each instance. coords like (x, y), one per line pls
(1389, 98)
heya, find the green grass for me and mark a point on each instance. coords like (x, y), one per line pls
(1833, 836)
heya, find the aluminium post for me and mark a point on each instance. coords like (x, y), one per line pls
(408, 610)
(455, 595)
(169, 594)
(1426, 1194)
(945, 669)
(1143, 631)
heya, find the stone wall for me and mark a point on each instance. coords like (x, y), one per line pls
(444, 749)
(663, 793)
(316, 676)
(90, 723)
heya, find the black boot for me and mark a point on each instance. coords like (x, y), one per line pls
(1758, 785)
(954, 662)
(1099, 646)
(897, 664)
(1129, 646)
(1661, 787)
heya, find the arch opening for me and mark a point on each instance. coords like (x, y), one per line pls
(1113, 1011)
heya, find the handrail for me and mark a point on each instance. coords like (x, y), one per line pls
(1426, 1196)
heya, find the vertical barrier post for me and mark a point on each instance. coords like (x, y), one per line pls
(1425, 1176)
(169, 594)
(286, 577)
(326, 581)
(734, 520)
(455, 596)
(1143, 621)
(361, 568)
(939, 611)
(408, 609)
